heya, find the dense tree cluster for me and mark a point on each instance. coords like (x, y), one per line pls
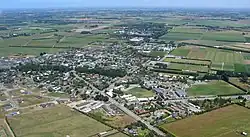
(101, 71)
(42, 67)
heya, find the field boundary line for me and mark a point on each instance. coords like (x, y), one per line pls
(9, 128)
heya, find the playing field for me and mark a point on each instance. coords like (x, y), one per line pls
(140, 92)
(58, 121)
(213, 88)
(225, 122)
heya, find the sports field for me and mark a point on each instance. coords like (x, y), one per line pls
(213, 88)
(58, 121)
(225, 122)
(140, 92)
(221, 59)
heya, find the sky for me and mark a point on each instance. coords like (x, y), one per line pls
(5, 4)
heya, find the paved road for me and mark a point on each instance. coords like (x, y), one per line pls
(124, 109)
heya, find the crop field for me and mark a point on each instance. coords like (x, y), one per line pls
(188, 67)
(247, 39)
(17, 41)
(54, 122)
(224, 36)
(221, 59)
(213, 88)
(179, 36)
(224, 122)
(209, 42)
(140, 92)
(220, 23)
(186, 29)
(81, 41)
(182, 51)
(187, 61)
(45, 42)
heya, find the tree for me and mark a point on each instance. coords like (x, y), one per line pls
(244, 78)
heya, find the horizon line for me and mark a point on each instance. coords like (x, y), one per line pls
(122, 7)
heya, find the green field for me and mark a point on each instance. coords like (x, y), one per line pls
(46, 42)
(187, 61)
(186, 29)
(211, 43)
(188, 67)
(31, 100)
(220, 23)
(55, 122)
(228, 36)
(247, 39)
(213, 88)
(181, 52)
(225, 122)
(83, 40)
(221, 59)
(157, 53)
(140, 92)
(179, 36)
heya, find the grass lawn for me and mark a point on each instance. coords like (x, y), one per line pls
(55, 122)
(213, 88)
(31, 100)
(225, 122)
(61, 95)
(120, 121)
(140, 92)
